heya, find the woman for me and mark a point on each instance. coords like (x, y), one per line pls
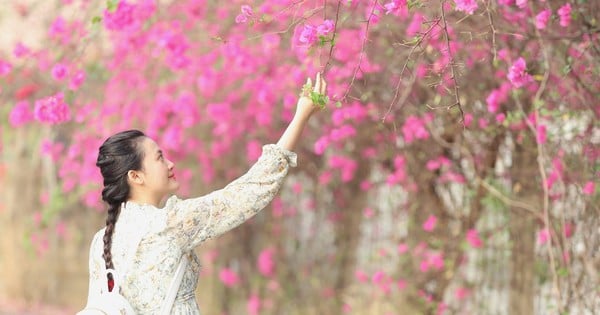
(144, 242)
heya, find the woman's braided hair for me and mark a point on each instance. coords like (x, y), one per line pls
(117, 155)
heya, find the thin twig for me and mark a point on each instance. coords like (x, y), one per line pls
(452, 71)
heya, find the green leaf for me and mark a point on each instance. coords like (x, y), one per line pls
(338, 104)
(562, 272)
(111, 5)
(414, 4)
(96, 20)
(69, 97)
(319, 100)
(566, 69)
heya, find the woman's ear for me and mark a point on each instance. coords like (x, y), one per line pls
(135, 177)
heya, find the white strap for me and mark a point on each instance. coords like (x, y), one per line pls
(174, 287)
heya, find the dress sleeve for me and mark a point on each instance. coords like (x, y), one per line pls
(95, 268)
(195, 220)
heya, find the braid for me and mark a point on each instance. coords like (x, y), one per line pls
(118, 155)
(111, 220)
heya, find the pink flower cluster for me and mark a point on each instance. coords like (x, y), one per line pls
(430, 223)
(497, 97)
(229, 277)
(467, 6)
(20, 114)
(517, 75)
(5, 67)
(59, 71)
(432, 260)
(399, 174)
(473, 238)
(543, 236)
(395, 6)
(437, 163)
(245, 15)
(564, 14)
(122, 18)
(414, 128)
(310, 33)
(556, 173)
(266, 264)
(541, 19)
(347, 166)
(52, 110)
(589, 188)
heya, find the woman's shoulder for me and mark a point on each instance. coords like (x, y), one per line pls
(171, 202)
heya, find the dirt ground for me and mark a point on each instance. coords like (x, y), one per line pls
(22, 308)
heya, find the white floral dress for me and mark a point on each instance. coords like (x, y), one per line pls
(148, 242)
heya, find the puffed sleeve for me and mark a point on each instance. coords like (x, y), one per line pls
(192, 221)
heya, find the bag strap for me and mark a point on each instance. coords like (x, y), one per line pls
(174, 287)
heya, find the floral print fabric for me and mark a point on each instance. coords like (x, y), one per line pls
(148, 242)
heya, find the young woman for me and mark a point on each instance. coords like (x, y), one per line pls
(144, 242)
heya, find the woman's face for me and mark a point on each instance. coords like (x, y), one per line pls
(157, 171)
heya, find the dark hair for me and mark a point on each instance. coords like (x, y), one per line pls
(117, 155)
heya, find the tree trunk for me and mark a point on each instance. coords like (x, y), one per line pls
(522, 230)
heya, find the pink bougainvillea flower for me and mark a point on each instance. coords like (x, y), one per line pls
(589, 188)
(473, 238)
(430, 223)
(394, 6)
(543, 236)
(468, 119)
(568, 229)
(467, 6)
(414, 128)
(361, 276)
(241, 18)
(266, 264)
(541, 19)
(432, 260)
(20, 114)
(58, 27)
(308, 35)
(461, 293)
(541, 133)
(521, 3)
(246, 10)
(121, 19)
(402, 248)
(77, 80)
(564, 14)
(325, 28)
(59, 71)
(5, 67)
(52, 110)
(229, 277)
(253, 305)
(517, 75)
(368, 212)
(500, 118)
(20, 50)
(415, 25)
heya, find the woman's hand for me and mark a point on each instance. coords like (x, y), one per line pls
(306, 107)
(306, 104)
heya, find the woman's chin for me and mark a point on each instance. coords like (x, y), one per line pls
(174, 187)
